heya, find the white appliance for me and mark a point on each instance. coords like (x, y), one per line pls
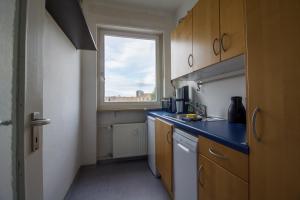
(185, 165)
(151, 145)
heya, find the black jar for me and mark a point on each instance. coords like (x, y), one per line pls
(236, 111)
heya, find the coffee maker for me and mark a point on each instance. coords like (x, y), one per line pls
(182, 100)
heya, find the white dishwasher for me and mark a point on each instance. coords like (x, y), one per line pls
(185, 165)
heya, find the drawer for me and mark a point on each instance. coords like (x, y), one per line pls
(216, 183)
(233, 161)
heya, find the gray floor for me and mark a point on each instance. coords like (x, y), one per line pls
(131, 180)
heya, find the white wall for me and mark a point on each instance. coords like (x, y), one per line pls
(184, 8)
(98, 14)
(89, 107)
(7, 34)
(61, 139)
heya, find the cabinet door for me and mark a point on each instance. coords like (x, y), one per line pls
(216, 183)
(158, 145)
(206, 34)
(164, 155)
(273, 86)
(232, 28)
(182, 47)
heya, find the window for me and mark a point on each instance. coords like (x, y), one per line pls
(129, 63)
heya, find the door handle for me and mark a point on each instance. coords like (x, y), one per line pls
(214, 49)
(5, 123)
(199, 175)
(256, 110)
(36, 121)
(191, 63)
(169, 137)
(40, 122)
(222, 41)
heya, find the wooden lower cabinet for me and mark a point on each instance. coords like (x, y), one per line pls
(164, 153)
(216, 183)
(233, 161)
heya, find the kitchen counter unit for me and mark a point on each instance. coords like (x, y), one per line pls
(229, 134)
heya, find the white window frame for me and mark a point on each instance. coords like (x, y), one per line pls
(102, 105)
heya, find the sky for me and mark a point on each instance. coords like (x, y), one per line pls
(129, 66)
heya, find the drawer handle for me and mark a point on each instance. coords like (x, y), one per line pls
(218, 155)
(199, 176)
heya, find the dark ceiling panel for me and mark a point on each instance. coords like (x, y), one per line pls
(69, 17)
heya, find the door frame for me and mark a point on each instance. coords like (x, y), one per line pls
(20, 94)
(18, 89)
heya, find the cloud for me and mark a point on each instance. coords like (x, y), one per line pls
(120, 52)
(129, 66)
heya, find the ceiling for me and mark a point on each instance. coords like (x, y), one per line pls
(157, 5)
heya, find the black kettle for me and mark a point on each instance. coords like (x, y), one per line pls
(236, 111)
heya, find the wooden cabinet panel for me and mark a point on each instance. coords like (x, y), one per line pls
(159, 145)
(206, 43)
(164, 152)
(234, 161)
(273, 86)
(182, 47)
(232, 28)
(216, 183)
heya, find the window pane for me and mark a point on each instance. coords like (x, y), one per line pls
(130, 69)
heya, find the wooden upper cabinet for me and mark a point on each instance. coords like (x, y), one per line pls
(182, 47)
(206, 43)
(216, 183)
(232, 28)
(213, 31)
(164, 152)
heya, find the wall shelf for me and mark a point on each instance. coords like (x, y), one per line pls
(69, 17)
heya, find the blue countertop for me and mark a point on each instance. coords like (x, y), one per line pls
(229, 134)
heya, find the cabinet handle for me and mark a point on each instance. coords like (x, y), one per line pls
(218, 155)
(199, 176)
(214, 49)
(189, 60)
(222, 41)
(168, 137)
(256, 110)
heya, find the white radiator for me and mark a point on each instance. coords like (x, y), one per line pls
(129, 140)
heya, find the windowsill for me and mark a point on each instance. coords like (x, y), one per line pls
(107, 108)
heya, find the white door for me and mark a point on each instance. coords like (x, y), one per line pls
(21, 89)
(32, 100)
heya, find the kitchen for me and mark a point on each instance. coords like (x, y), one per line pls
(162, 99)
